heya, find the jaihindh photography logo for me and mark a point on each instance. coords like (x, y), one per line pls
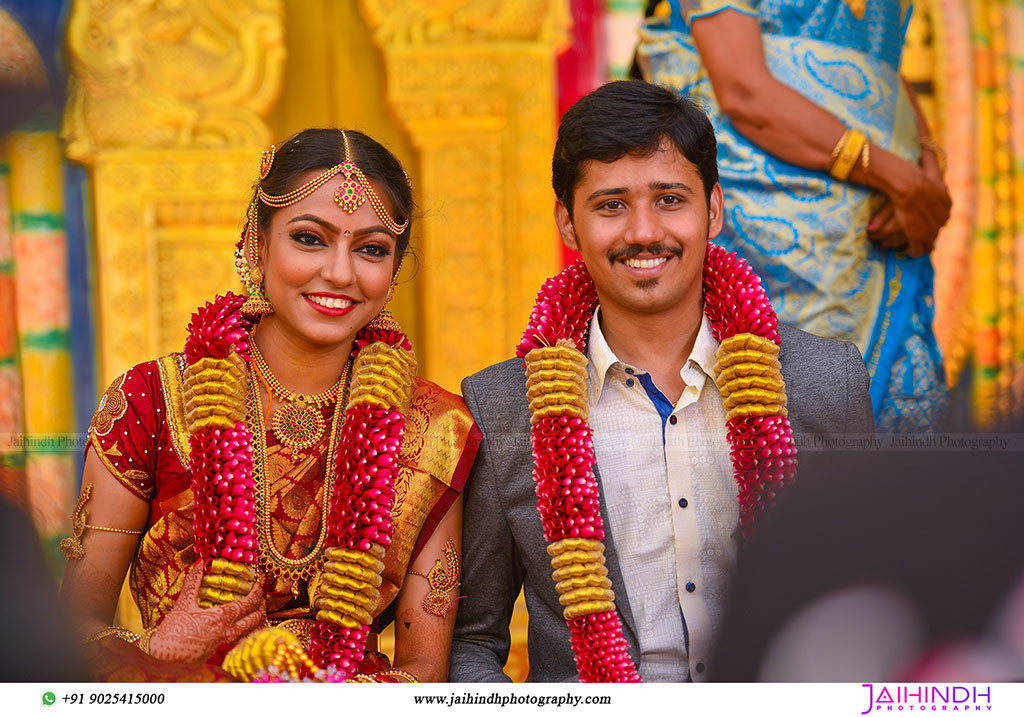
(927, 698)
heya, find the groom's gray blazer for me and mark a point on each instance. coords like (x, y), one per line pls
(503, 542)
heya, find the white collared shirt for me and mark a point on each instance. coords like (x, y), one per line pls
(672, 503)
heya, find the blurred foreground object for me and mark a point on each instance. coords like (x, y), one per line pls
(877, 562)
(35, 640)
(23, 84)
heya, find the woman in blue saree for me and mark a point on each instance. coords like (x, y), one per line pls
(783, 80)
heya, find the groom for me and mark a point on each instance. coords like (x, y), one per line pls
(636, 180)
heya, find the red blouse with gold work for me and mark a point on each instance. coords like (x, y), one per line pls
(140, 434)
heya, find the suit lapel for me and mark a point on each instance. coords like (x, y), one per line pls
(611, 561)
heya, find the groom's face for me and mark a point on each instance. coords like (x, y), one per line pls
(642, 224)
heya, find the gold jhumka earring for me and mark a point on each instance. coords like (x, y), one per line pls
(385, 321)
(247, 254)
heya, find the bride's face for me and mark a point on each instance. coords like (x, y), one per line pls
(327, 272)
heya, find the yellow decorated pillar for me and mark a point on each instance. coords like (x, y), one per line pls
(474, 84)
(42, 311)
(166, 106)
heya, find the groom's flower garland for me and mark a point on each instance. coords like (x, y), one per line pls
(762, 449)
(359, 525)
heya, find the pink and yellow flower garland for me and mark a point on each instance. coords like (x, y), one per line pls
(568, 499)
(359, 525)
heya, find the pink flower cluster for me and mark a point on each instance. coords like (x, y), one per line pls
(338, 649)
(217, 329)
(391, 337)
(225, 494)
(367, 467)
(567, 494)
(763, 451)
(564, 307)
(734, 299)
(223, 487)
(602, 653)
(360, 514)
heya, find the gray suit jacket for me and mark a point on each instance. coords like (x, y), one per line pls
(503, 542)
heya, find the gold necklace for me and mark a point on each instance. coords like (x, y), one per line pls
(298, 424)
(271, 560)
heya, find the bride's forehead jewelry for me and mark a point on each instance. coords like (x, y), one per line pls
(354, 189)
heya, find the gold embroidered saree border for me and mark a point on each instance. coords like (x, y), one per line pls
(174, 405)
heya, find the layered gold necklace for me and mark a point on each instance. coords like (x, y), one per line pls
(299, 423)
(289, 432)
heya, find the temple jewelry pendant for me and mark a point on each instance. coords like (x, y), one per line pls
(298, 425)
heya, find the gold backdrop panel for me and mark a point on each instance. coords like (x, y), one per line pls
(473, 82)
(202, 255)
(171, 75)
(166, 103)
(166, 225)
(334, 77)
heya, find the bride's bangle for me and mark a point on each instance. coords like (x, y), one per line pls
(141, 641)
(123, 633)
(147, 635)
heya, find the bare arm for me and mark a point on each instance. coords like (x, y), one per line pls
(92, 584)
(784, 122)
(423, 640)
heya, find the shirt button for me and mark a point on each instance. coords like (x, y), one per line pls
(700, 667)
(629, 371)
(683, 502)
(630, 382)
(673, 420)
(690, 587)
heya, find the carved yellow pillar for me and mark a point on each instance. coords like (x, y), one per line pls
(473, 81)
(166, 104)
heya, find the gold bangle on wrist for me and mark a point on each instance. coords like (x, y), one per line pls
(846, 153)
(865, 157)
(936, 149)
(126, 635)
(408, 676)
(838, 148)
(144, 639)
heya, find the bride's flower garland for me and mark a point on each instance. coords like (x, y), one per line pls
(359, 526)
(762, 449)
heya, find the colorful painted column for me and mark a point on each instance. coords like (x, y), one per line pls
(992, 279)
(42, 311)
(12, 452)
(622, 20)
(1014, 21)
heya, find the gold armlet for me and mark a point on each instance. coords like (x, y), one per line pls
(125, 531)
(71, 546)
(441, 581)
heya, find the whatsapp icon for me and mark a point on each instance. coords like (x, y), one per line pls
(49, 698)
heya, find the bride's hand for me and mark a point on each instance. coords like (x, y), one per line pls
(191, 633)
